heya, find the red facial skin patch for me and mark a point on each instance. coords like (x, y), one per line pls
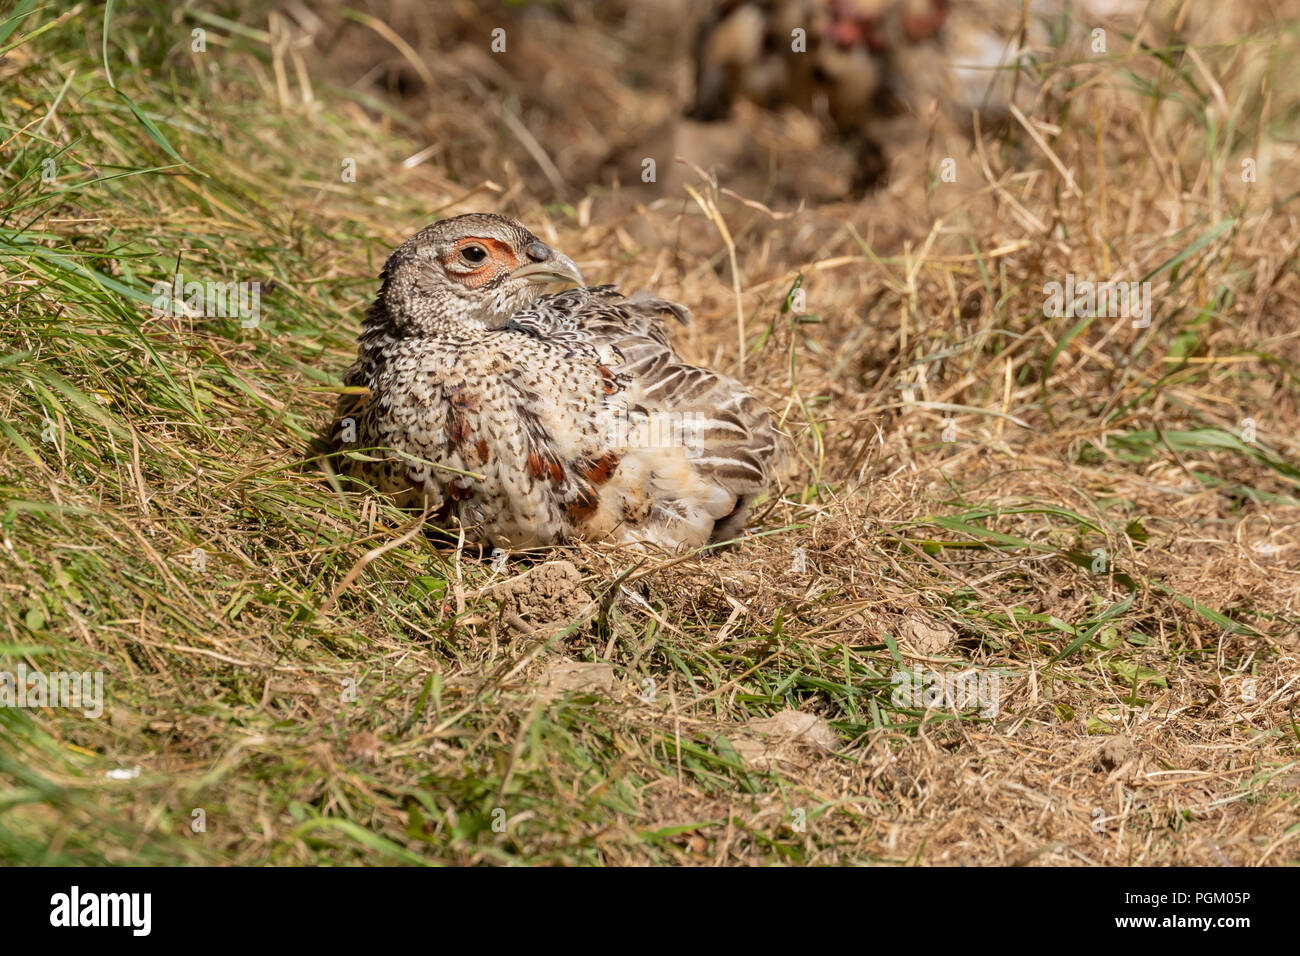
(501, 258)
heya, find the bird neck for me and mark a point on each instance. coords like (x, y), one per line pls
(429, 317)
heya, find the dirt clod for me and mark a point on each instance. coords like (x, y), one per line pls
(548, 598)
(789, 738)
(927, 635)
(580, 676)
(1115, 751)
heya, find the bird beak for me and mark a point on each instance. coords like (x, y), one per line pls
(557, 267)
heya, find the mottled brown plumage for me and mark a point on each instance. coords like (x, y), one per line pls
(532, 419)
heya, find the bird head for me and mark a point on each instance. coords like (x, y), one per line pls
(467, 273)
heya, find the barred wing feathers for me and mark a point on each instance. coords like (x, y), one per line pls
(697, 446)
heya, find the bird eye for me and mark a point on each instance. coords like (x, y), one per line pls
(474, 253)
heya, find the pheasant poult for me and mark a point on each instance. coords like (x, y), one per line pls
(533, 419)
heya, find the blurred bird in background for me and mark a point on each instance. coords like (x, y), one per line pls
(854, 62)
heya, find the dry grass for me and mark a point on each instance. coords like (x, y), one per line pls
(1065, 501)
